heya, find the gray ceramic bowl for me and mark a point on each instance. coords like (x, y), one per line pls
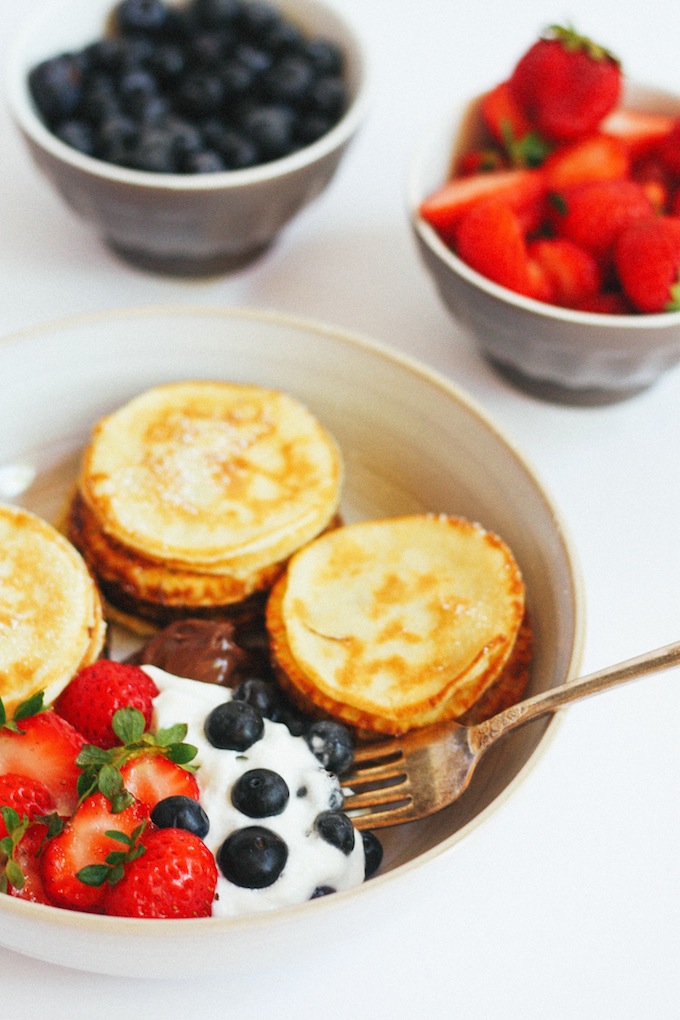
(179, 222)
(411, 442)
(555, 353)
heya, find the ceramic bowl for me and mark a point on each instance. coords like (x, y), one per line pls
(411, 442)
(181, 223)
(554, 353)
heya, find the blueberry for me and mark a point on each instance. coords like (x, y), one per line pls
(56, 87)
(322, 890)
(271, 128)
(331, 743)
(373, 852)
(141, 16)
(200, 94)
(153, 151)
(288, 80)
(312, 126)
(328, 96)
(135, 88)
(252, 858)
(115, 138)
(205, 162)
(263, 694)
(260, 793)
(326, 56)
(237, 78)
(168, 62)
(216, 13)
(234, 725)
(77, 134)
(336, 828)
(179, 812)
(258, 18)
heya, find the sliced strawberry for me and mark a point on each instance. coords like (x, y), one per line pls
(609, 302)
(502, 115)
(517, 188)
(152, 777)
(640, 131)
(84, 843)
(176, 876)
(28, 796)
(44, 747)
(647, 259)
(668, 149)
(490, 239)
(27, 857)
(566, 84)
(596, 157)
(573, 274)
(98, 691)
(593, 214)
(480, 161)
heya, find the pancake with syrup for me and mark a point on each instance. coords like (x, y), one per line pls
(192, 497)
(395, 624)
(51, 622)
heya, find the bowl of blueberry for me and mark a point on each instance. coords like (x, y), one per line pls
(188, 132)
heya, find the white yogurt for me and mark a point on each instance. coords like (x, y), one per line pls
(312, 862)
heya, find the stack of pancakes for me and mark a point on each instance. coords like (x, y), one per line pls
(51, 622)
(394, 624)
(192, 497)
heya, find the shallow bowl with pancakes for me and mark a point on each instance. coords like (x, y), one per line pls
(412, 444)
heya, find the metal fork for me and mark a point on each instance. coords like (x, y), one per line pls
(406, 778)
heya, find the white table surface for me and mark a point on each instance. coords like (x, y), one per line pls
(566, 903)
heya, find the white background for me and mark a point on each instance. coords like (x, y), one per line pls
(566, 903)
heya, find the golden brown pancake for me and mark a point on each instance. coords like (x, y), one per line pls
(395, 624)
(51, 621)
(212, 476)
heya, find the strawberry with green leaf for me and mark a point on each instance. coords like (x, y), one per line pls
(647, 260)
(566, 84)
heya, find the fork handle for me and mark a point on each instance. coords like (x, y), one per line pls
(485, 733)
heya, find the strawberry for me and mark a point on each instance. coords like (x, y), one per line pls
(593, 214)
(86, 841)
(490, 239)
(566, 84)
(152, 777)
(480, 161)
(593, 158)
(647, 260)
(668, 149)
(510, 128)
(43, 746)
(98, 691)
(607, 302)
(28, 796)
(639, 130)
(174, 876)
(25, 881)
(518, 188)
(572, 274)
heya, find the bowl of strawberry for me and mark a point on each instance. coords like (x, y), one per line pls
(547, 211)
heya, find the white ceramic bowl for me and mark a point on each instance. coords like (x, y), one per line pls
(181, 223)
(555, 353)
(411, 442)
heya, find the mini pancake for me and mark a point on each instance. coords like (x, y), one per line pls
(212, 476)
(51, 621)
(395, 624)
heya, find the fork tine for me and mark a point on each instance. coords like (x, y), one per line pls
(378, 773)
(394, 794)
(392, 815)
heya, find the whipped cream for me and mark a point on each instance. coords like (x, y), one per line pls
(312, 862)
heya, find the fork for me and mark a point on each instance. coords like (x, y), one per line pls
(412, 776)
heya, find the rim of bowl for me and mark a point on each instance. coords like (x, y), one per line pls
(27, 119)
(156, 927)
(445, 127)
